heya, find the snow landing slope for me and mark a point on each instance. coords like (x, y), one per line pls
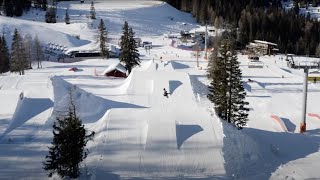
(161, 140)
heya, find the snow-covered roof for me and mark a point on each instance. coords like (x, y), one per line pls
(265, 42)
(202, 29)
(116, 66)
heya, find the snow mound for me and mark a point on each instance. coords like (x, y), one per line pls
(90, 108)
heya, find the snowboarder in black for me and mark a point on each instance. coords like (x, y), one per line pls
(165, 93)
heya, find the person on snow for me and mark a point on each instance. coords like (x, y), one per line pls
(165, 93)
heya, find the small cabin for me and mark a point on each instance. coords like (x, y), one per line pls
(116, 70)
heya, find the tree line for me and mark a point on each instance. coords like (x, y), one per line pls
(259, 19)
(24, 51)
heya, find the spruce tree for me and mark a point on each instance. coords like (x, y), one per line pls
(68, 146)
(44, 5)
(67, 17)
(130, 54)
(217, 74)
(226, 89)
(1, 57)
(18, 8)
(92, 11)
(8, 7)
(103, 35)
(318, 50)
(18, 62)
(237, 111)
(5, 54)
(50, 16)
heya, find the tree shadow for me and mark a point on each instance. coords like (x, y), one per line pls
(173, 85)
(27, 109)
(255, 154)
(290, 126)
(177, 65)
(183, 132)
(197, 86)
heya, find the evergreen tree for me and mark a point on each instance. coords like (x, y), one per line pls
(296, 7)
(67, 18)
(92, 11)
(68, 146)
(217, 73)
(44, 5)
(4, 56)
(103, 35)
(38, 52)
(129, 55)
(226, 89)
(318, 50)
(8, 7)
(1, 57)
(50, 16)
(314, 3)
(18, 62)
(18, 8)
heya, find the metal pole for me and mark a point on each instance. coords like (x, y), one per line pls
(198, 47)
(304, 101)
(205, 41)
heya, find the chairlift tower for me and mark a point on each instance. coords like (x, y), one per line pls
(303, 124)
(305, 68)
(206, 42)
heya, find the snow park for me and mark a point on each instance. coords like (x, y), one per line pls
(158, 110)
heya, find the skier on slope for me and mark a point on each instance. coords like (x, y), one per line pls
(165, 93)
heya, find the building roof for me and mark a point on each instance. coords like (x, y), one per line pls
(202, 29)
(116, 66)
(265, 42)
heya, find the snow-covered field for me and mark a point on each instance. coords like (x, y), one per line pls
(140, 134)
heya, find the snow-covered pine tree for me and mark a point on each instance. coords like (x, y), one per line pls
(38, 52)
(92, 11)
(68, 146)
(5, 56)
(130, 54)
(103, 35)
(28, 42)
(19, 60)
(67, 17)
(226, 89)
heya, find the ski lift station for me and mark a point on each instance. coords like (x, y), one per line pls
(262, 47)
(297, 62)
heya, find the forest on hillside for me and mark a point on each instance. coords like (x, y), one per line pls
(260, 19)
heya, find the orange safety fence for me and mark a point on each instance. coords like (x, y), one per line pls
(280, 122)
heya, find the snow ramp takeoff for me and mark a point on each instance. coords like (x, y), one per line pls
(165, 140)
(8, 103)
